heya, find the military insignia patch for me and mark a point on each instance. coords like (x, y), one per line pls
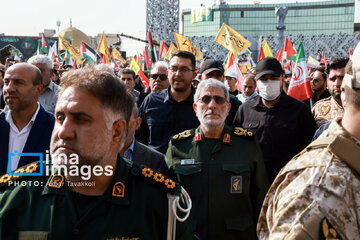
(325, 109)
(226, 138)
(118, 190)
(242, 132)
(183, 135)
(236, 184)
(30, 168)
(198, 137)
(56, 181)
(327, 231)
(158, 179)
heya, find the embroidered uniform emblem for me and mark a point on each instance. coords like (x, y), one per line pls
(236, 184)
(226, 138)
(198, 137)
(325, 109)
(118, 190)
(56, 181)
(327, 231)
(242, 132)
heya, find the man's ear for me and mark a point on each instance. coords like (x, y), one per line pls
(194, 107)
(118, 130)
(138, 122)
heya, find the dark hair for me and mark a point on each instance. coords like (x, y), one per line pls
(320, 69)
(127, 71)
(336, 64)
(111, 92)
(185, 54)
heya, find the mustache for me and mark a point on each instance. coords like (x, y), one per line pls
(60, 143)
(212, 112)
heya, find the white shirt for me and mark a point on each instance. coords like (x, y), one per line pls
(17, 139)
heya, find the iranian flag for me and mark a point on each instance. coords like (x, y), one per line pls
(300, 86)
(88, 53)
(232, 66)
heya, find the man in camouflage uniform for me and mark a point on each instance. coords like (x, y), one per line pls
(329, 108)
(221, 167)
(316, 195)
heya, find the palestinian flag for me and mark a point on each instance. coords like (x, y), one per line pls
(88, 53)
(151, 49)
(68, 59)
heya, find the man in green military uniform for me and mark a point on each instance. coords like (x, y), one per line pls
(220, 167)
(108, 197)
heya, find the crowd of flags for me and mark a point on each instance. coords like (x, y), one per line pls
(238, 60)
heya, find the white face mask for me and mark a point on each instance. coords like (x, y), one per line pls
(269, 89)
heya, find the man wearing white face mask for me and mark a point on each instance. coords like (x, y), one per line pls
(283, 125)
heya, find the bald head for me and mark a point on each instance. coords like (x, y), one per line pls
(33, 72)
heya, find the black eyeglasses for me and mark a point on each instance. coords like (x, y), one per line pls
(207, 99)
(162, 77)
(182, 70)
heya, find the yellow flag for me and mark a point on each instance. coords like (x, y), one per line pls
(172, 49)
(232, 40)
(117, 55)
(267, 49)
(103, 48)
(75, 54)
(185, 44)
(134, 66)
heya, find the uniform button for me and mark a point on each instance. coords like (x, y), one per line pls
(76, 231)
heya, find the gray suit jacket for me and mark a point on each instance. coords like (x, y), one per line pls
(144, 155)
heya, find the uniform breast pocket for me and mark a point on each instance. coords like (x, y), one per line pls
(189, 177)
(237, 177)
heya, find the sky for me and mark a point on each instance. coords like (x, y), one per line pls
(29, 18)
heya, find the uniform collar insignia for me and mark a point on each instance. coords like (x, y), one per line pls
(198, 137)
(226, 138)
(118, 190)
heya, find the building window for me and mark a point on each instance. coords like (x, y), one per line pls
(242, 14)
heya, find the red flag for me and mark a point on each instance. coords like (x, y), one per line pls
(43, 42)
(163, 49)
(350, 53)
(144, 80)
(323, 59)
(261, 54)
(234, 67)
(289, 49)
(279, 55)
(103, 58)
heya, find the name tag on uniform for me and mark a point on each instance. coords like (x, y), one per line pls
(187, 161)
(35, 235)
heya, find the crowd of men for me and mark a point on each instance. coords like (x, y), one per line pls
(190, 157)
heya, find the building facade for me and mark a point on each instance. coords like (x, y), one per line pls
(255, 20)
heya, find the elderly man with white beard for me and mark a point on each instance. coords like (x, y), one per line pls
(221, 167)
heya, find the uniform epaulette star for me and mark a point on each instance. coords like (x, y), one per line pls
(183, 135)
(156, 178)
(30, 168)
(238, 131)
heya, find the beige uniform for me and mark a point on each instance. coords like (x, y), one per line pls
(326, 110)
(316, 195)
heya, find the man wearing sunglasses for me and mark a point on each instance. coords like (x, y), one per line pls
(219, 166)
(158, 77)
(318, 84)
(167, 112)
(282, 124)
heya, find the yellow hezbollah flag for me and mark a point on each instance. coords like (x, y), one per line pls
(172, 49)
(267, 49)
(134, 66)
(75, 54)
(103, 48)
(185, 44)
(232, 40)
(117, 55)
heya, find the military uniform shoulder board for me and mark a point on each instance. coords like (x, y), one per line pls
(156, 178)
(238, 131)
(327, 231)
(183, 135)
(18, 173)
